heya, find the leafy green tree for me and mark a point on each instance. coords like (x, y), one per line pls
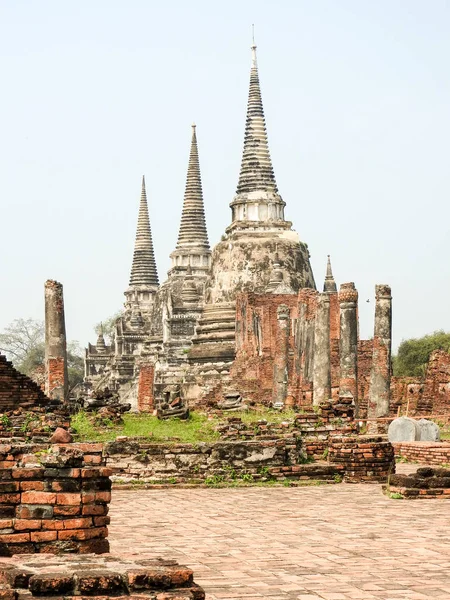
(23, 342)
(413, 355)
(108, 325)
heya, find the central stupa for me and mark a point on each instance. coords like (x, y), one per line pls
(258, 237)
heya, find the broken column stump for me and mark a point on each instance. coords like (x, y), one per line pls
(53, 499)
(56, 376)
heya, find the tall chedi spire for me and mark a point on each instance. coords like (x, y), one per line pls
(144, 277)
(192, 250)
(260, 251)
(256, 167)
(257, 197)
(329, 284)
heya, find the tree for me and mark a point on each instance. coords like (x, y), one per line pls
(23, 342)
(107, 326)
(413, 354)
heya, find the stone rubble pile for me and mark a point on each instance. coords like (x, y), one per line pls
(36, 423)
(426, 482)
(96, 577)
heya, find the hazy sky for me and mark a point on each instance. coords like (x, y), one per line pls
(96, 93)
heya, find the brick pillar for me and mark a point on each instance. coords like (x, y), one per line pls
(322, 365)
(56, 377)
(348, 343)
(280, 383)
(380, 375)
(146, 399)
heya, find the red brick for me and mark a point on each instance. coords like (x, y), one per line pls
(69, 499)
(43, 536)
(80, 523)
(15, 538)
(23, 524)
(38, 498)
(70, 511)
(35, 486)
(82, 534)
(31, 473)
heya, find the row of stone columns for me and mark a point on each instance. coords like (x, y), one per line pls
(379, 390)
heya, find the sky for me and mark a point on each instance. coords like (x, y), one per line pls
(96, 93)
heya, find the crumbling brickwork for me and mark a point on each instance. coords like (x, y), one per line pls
(146, 400)
(366, 458)
(426, 483)
(259, 344)
(406, 394)
(17, 389)
(426, 453)
(96, 577)
(365, 356)
(53, 499)
(436, 390)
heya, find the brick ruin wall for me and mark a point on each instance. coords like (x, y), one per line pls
(17, 389)
(138, 460)
(428, 395)
(146, 400)
(426, 453)
(56, 369)
(257, 452)
(257, 343)
(365, 458)
(53, 499)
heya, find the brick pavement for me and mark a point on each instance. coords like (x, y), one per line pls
(336, 542)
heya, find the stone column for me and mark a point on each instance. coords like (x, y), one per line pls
(56, 377)
(322, 366)
(380, 375)
(280, 384)
(348, 343)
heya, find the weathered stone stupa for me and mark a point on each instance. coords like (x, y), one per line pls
(244, 320)
(258, 241)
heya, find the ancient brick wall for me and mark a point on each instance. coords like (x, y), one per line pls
(406, 394)
(17, 389)
(430, 395)
(436, 390)
(427, 453)
(365, 458)
(334, 317)
(56, 368)
(195, 463)
(335, 368)
(257, 344)
(365, 353)
(146, 400)
(53, 499)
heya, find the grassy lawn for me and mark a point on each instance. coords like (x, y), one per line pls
(198, 428)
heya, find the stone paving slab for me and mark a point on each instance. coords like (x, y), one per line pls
(337, 542)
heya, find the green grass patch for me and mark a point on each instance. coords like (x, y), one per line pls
(198, 428)
(195, 429)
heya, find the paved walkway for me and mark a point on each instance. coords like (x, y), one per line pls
(334, 542)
